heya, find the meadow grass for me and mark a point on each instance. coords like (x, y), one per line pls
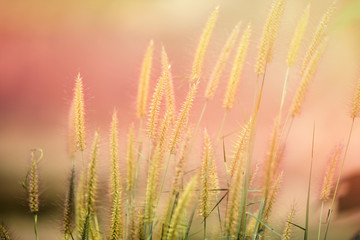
(242, 208)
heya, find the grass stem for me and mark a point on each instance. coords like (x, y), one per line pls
(35, 226)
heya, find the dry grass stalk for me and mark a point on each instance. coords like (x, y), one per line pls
(144, 80)
(154, 109)
(288, 226)
(298, 37)
(237, 69)
(202, 47)
(183, 117)
(169, 87)
(356, 102)
(184, 201)
(209, 179)
(318, 38)
(79, 114)
(305, 80)
(33, 186)
(130, 160)
(269, 35)
(219, 67)
(329, 175)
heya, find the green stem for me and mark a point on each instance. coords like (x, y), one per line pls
(338, 180)
(321, 213)
(309, 186)
(35, 227)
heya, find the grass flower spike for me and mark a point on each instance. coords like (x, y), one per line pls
(219, 67)
(144, 80)
(237, 69)
(202, 46)
(79, 114)
(298, 37)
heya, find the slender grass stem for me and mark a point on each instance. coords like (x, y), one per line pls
(204, 228)
(309, 187)
(198, 126)
(35, 226)
(321, 213)
(338, 180)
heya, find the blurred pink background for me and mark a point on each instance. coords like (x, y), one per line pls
(45, 44)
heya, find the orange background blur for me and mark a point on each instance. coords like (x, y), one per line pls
(45, 44)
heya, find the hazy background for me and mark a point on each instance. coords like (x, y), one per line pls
(45, 44)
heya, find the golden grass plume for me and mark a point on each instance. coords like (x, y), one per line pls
(202, 46)
(237, 69)
(219, 67)
(143, 87)
(79, 114)
(298, 37)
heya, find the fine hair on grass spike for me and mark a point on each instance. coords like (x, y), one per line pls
(79, 114)
(144, 80)
(202, 46)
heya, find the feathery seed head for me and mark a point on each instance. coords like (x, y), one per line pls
(180, 209)
(329, 175)
(269, 35)
(356, 102)
(92, 178)
(288, 226)
(4, 235)
(271, 197)
(272, 157)
(79, 114)
(240, 147)
(202, 46)
(130, 160)
(169, 87)
(69, 206)
(72, 146)
(318, 38)
(234, 203)
(208, 177)
(179, 169)
(155, 107)
(237, 69)
(143, 87)
(152, 184)
(306, 79)
(297, 37)
(116, 226)
(183, 117)
(219, 67)
(114, 155)
(33, 187)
